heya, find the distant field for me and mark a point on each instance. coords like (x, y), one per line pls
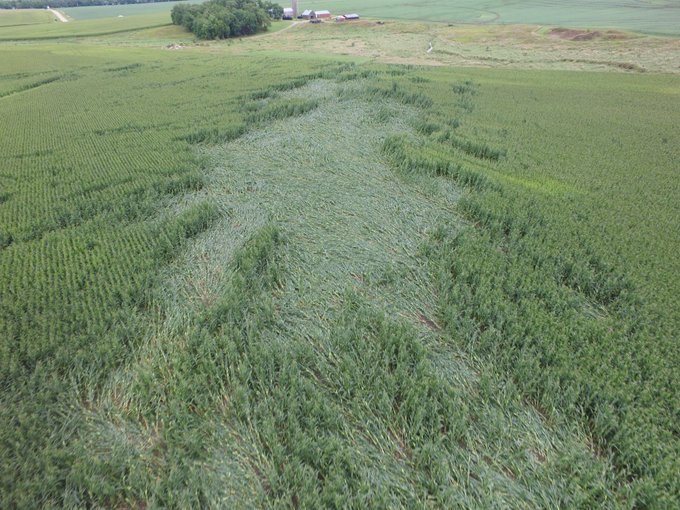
(109, 11)
(12, 18)
(643, 16)
(652, 18)
(83, 28)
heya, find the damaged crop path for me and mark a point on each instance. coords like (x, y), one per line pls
(311, 284)
(344, 331)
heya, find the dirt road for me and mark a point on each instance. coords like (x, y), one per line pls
(59, 15)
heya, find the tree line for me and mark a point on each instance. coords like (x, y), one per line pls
(41, 4)
(220, 19)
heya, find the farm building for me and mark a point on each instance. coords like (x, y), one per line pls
(350, 17)
(320, 14)
(288, 13)
(340, 18)
(307, 14)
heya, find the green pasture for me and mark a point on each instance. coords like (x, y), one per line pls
(13, 18)
(112, 11)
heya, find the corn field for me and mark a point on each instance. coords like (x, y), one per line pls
(275, 282)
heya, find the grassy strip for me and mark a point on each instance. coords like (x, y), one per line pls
(290, 108)
(478, 150)
(57, 37)
(215, 135)
(187, 225)
(429, 160)
(260, 107)
(29, 86)
(401, 94)
(262, 113)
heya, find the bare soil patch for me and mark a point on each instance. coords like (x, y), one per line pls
(571, 34)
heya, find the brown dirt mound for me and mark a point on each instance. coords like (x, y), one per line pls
(571, 34)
